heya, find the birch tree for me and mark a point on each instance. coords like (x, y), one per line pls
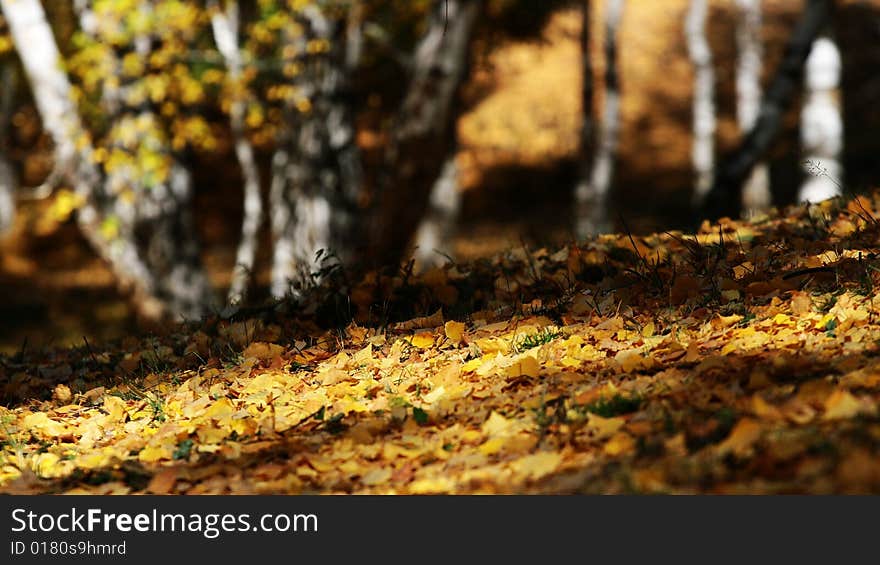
(756, 190)
(225, 27)
(703, 147)
(420, 155)
(51, 89)
(8, 180)
(148, 189)
(587, 127)
(821, 123)
(316, 172)
(591, 192)
(726, 194)
(433, 239)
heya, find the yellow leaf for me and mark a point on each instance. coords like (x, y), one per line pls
(115, 408)
(841, 405)
(746, 432)
(333, 376)
(376, 476)
(377, 340)
(537, 465)
(47, 465)
(40, 422)
(472, 365)
(432, 485)
(62, 394)
(823, 322)
(434, 395)
(523, 366)
(454, 331)
(632, 360)
(569, 361)
(492, 446)
(362, 357)
(782, 320)
(422, 341)
(221, 411)
(95, 460)
(153, 453)
(763, 409)
(211, 434)
(721, 322)
(490, 364)
(604, 427)
(64, 204)
(692, 354)
(492, 345)
(262, 351)
(496, 425)
(620, 443)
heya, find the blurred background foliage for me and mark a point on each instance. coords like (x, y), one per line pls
(518, 128)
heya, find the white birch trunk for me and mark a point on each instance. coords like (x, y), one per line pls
(281, 216)
(582, 204)
(725, 198)
(822, 124)
(433, 240)
(316, 178)
(160, 213)
(8, 180)
(225, 26)
(756, 191)
(41, 59)
(703, 148)
(591, 193)
(424, 137)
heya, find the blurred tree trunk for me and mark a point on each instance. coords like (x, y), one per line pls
(726, 195)
(703, 148)
(591, 193)
(420, 156)
(225, 26)
(583, 204)
(433, 240)
(8, 180)
(159, 219)
(316, 180)
(756, 191)
(822, 124)
(40, 58)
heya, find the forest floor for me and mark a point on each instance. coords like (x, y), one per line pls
(742, 359)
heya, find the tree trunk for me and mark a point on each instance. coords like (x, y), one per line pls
(822, 124)
(591, 193)
(703, 148)
(725, 196)
(8, 180)
(756, 191)
(423, 136)
(583, 206)
(316, 186)
(40, 58)
(159, 219)
(433, 240)
(225, 26)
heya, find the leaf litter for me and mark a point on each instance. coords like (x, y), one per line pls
(743, 358)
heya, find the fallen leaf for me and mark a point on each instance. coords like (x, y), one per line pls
(741, 439)
(454, 331)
